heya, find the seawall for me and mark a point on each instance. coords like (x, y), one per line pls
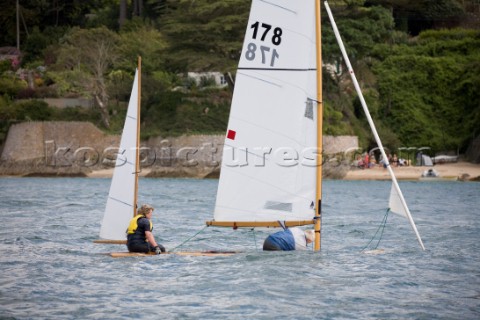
(79, 149)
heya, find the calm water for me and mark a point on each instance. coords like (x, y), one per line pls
(50, 269)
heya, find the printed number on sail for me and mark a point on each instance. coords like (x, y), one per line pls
(277, 32)
(251, 53)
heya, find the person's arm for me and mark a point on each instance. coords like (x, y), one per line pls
(158, 247)
(151, 239)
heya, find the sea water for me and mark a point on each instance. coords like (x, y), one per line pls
(51, 269)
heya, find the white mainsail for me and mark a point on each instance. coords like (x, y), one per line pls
(122, 196)
(269, 159)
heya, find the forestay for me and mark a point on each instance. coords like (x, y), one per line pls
(269, 159)
(121, 198)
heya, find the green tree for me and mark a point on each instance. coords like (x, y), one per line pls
(89, 55)
(361, 29)
(414, 16)
(43, 14)
(205, 34)
(424, 89)
(141, 39)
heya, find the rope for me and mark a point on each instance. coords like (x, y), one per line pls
(196, 234)
(382, 227)
(254, 239)
(188, 239)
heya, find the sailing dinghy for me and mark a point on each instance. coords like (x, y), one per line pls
(122, 198)
(271, 174)
(123, 195)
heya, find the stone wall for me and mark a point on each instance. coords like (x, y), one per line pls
(339, 144)
(37, 140)
(70, 148)
(191, 156)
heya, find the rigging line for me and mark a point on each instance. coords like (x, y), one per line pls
(189, 239)
(382, 227)
(254, 239)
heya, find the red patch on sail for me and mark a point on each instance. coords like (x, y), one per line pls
(231, 134)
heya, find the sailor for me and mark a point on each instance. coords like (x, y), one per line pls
(289, 239)
(139, 232)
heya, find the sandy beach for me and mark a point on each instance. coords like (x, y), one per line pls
(447, 171)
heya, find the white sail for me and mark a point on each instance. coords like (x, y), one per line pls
(269, 166)
(121, 198)
(395, 203)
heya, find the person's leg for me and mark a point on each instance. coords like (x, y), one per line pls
(139, 247)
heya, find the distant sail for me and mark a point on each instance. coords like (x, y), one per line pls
(121, 198)
(268, 167)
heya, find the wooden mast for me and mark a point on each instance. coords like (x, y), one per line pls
(318, 212)
(137, 148)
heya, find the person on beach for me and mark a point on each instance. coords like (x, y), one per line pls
(139, 232)
(395, 160)
(289, 239)
(366, 162)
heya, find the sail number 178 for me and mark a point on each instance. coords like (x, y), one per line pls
(263, 31)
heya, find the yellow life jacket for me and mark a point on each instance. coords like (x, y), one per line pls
(132, 227)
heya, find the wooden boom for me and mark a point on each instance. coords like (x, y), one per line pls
(110, 241)
(264, 224)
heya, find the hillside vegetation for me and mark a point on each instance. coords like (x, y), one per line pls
(418, 63)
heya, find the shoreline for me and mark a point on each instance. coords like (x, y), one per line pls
(463, 171)
(447, 171)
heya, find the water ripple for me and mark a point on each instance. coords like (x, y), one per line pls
(51, 269)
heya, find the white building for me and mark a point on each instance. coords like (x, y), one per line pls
(200, 77)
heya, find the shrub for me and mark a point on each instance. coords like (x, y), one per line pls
(11, 86)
